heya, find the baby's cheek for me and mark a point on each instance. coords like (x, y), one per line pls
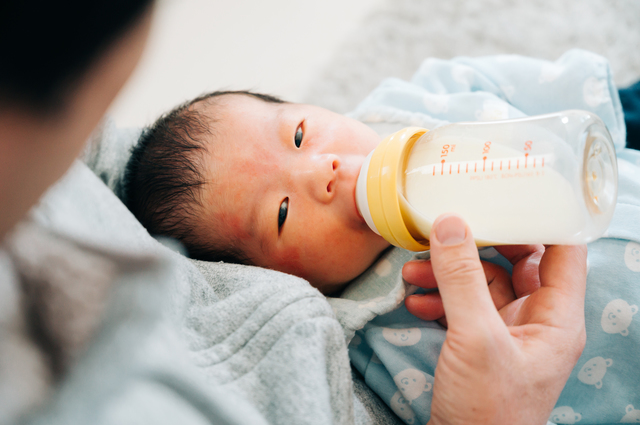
(234, 224)
(288, 261)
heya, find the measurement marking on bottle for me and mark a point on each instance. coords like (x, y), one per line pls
(528, 145)
(484, 168)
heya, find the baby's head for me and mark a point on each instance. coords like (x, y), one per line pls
(247, 178)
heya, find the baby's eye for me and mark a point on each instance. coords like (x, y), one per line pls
(298, 137)
(282, 213)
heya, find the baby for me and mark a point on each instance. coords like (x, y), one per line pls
(247, 178)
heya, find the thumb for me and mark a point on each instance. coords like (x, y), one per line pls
(460, 276)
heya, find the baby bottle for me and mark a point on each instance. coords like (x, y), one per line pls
(549, 179)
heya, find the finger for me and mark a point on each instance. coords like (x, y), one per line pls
(515, 253)
(526, 261)
(563, 269)
(443, 322)
(419, 273)
(563, 274)
(560, 300)
(460, 276)
(425, 306)
(500, 286)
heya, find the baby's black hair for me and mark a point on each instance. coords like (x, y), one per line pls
(164, 176)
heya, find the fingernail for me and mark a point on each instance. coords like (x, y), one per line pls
(451, 230)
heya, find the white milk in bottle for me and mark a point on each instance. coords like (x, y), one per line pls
(499, 196)
(548, 179)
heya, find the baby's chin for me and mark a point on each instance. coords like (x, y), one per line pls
(330, 289)
(334, 285)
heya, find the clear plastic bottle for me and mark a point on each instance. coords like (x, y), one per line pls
(548, 179)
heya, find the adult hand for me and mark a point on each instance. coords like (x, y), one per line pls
(505, 367)
(504, 288)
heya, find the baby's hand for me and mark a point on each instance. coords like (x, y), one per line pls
(502, 287)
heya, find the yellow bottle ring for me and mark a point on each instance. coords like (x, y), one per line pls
(383, 179)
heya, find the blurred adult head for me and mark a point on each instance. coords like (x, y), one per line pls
(62, 65)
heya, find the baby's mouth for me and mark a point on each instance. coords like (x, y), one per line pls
(350, 176)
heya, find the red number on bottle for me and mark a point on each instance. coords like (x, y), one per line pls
(527, 145)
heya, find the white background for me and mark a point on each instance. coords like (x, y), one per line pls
(271, 46)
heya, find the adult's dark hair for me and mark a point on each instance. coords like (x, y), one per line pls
(46, 45)
(164, 176)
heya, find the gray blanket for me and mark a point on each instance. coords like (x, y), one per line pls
(135, 332)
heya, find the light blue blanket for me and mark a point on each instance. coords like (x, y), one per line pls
(397, 353)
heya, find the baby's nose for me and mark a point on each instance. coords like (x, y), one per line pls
(319, 175)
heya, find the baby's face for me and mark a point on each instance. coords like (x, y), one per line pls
(282, 187)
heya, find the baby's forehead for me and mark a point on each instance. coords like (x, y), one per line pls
(223, 161)
(237, 105)
(232, 119)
